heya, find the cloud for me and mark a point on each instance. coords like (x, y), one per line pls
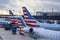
(3, 3)
(32, 4)
(42, 4)
(8, 4)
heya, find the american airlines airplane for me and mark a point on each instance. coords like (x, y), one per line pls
(38, 32)
(11, 20)
(30, 21)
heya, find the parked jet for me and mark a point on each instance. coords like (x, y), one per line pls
(30, 21)
(39, 33)
(11, 20)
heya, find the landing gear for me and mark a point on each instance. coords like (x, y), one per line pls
(13, 28)
(14, 31)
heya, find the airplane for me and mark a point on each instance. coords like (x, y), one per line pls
(39, 32)
(30, 21)
(12, 19)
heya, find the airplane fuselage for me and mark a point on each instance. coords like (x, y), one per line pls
(54, 26)
(43, 33)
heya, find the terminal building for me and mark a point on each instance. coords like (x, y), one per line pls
(48, 16)
(48, 13)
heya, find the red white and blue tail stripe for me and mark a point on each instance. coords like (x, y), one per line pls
(21, 24)
(18, 21)
(12, 19)
(30, 21)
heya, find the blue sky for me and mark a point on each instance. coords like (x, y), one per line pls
(47, 5)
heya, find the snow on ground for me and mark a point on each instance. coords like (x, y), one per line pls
(7, 35)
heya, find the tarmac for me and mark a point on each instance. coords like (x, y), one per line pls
(7, 35)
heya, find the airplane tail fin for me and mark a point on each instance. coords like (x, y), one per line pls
(27, 13)
(12, 19)
(21, 24)
(11, 13)
(29, 19)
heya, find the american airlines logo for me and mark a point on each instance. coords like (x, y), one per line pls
(31, 23)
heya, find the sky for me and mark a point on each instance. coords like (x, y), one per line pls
(32, 5)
